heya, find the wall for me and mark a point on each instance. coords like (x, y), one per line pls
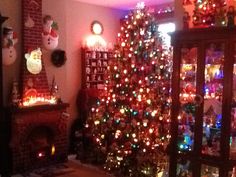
(10, 8)
(78, 20)
(74, 19)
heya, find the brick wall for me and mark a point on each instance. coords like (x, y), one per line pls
(32, 39)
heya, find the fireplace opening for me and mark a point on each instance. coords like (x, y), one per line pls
(41, 143)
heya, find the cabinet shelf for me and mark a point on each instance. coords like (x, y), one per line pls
(94, 66)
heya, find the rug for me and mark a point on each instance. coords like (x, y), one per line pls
(51, 171)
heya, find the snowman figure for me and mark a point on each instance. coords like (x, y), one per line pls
(49, 35)
(34, 61)
(8, 51)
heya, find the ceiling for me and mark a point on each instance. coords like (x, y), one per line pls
(124, 4)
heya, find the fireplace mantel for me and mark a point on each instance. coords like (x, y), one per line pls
(37, 108)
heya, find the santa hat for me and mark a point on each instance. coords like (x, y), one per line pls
(7, 30)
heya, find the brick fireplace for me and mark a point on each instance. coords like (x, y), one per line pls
(38, 130)
(39, 136)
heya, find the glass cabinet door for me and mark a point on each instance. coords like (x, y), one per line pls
(233, 112)
(213, 90)
(186, 117)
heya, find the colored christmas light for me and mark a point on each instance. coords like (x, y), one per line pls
(209, 13)
(136, 102)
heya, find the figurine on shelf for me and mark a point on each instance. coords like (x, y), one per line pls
(99, 78)
(88, 70)
(99, 63)
(105, 55)
(95, 71)
(197, 19)
(186, 19)
(94, 55)
(230, 16)
(87, 79)
(15, 96)
(54, 92)
(93, 77)
(105, 64)
(219, 17)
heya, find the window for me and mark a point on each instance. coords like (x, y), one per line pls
(166, 28)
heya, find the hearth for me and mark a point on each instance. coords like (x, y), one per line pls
(39, 136)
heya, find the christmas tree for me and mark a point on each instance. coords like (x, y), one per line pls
(130, 122)
(209, 13)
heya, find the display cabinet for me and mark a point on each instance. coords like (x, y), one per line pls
(203, 127)
(94, 67)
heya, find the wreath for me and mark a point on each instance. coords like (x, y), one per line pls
(58, 57)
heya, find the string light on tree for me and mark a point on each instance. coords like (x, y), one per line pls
(209, 13)
(135, 127)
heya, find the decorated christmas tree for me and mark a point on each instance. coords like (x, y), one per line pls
(209, 13)
(130, 122)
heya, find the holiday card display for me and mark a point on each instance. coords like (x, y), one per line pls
(95, 65)
(130, 121)
(8, 51)
(49, 35)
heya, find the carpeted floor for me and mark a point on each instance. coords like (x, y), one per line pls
(72, 168)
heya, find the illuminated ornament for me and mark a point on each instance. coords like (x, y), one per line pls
(97, 122)
(34, 61)
(151, 130)
(123, 44)
(122, 111)
(154, 113)
(139, 97)
(141, 32)
(140, 5)
(145, 123)
(117, 134)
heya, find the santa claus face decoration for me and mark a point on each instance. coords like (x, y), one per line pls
(33, 61)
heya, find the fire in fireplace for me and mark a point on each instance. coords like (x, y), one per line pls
(41, 143)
